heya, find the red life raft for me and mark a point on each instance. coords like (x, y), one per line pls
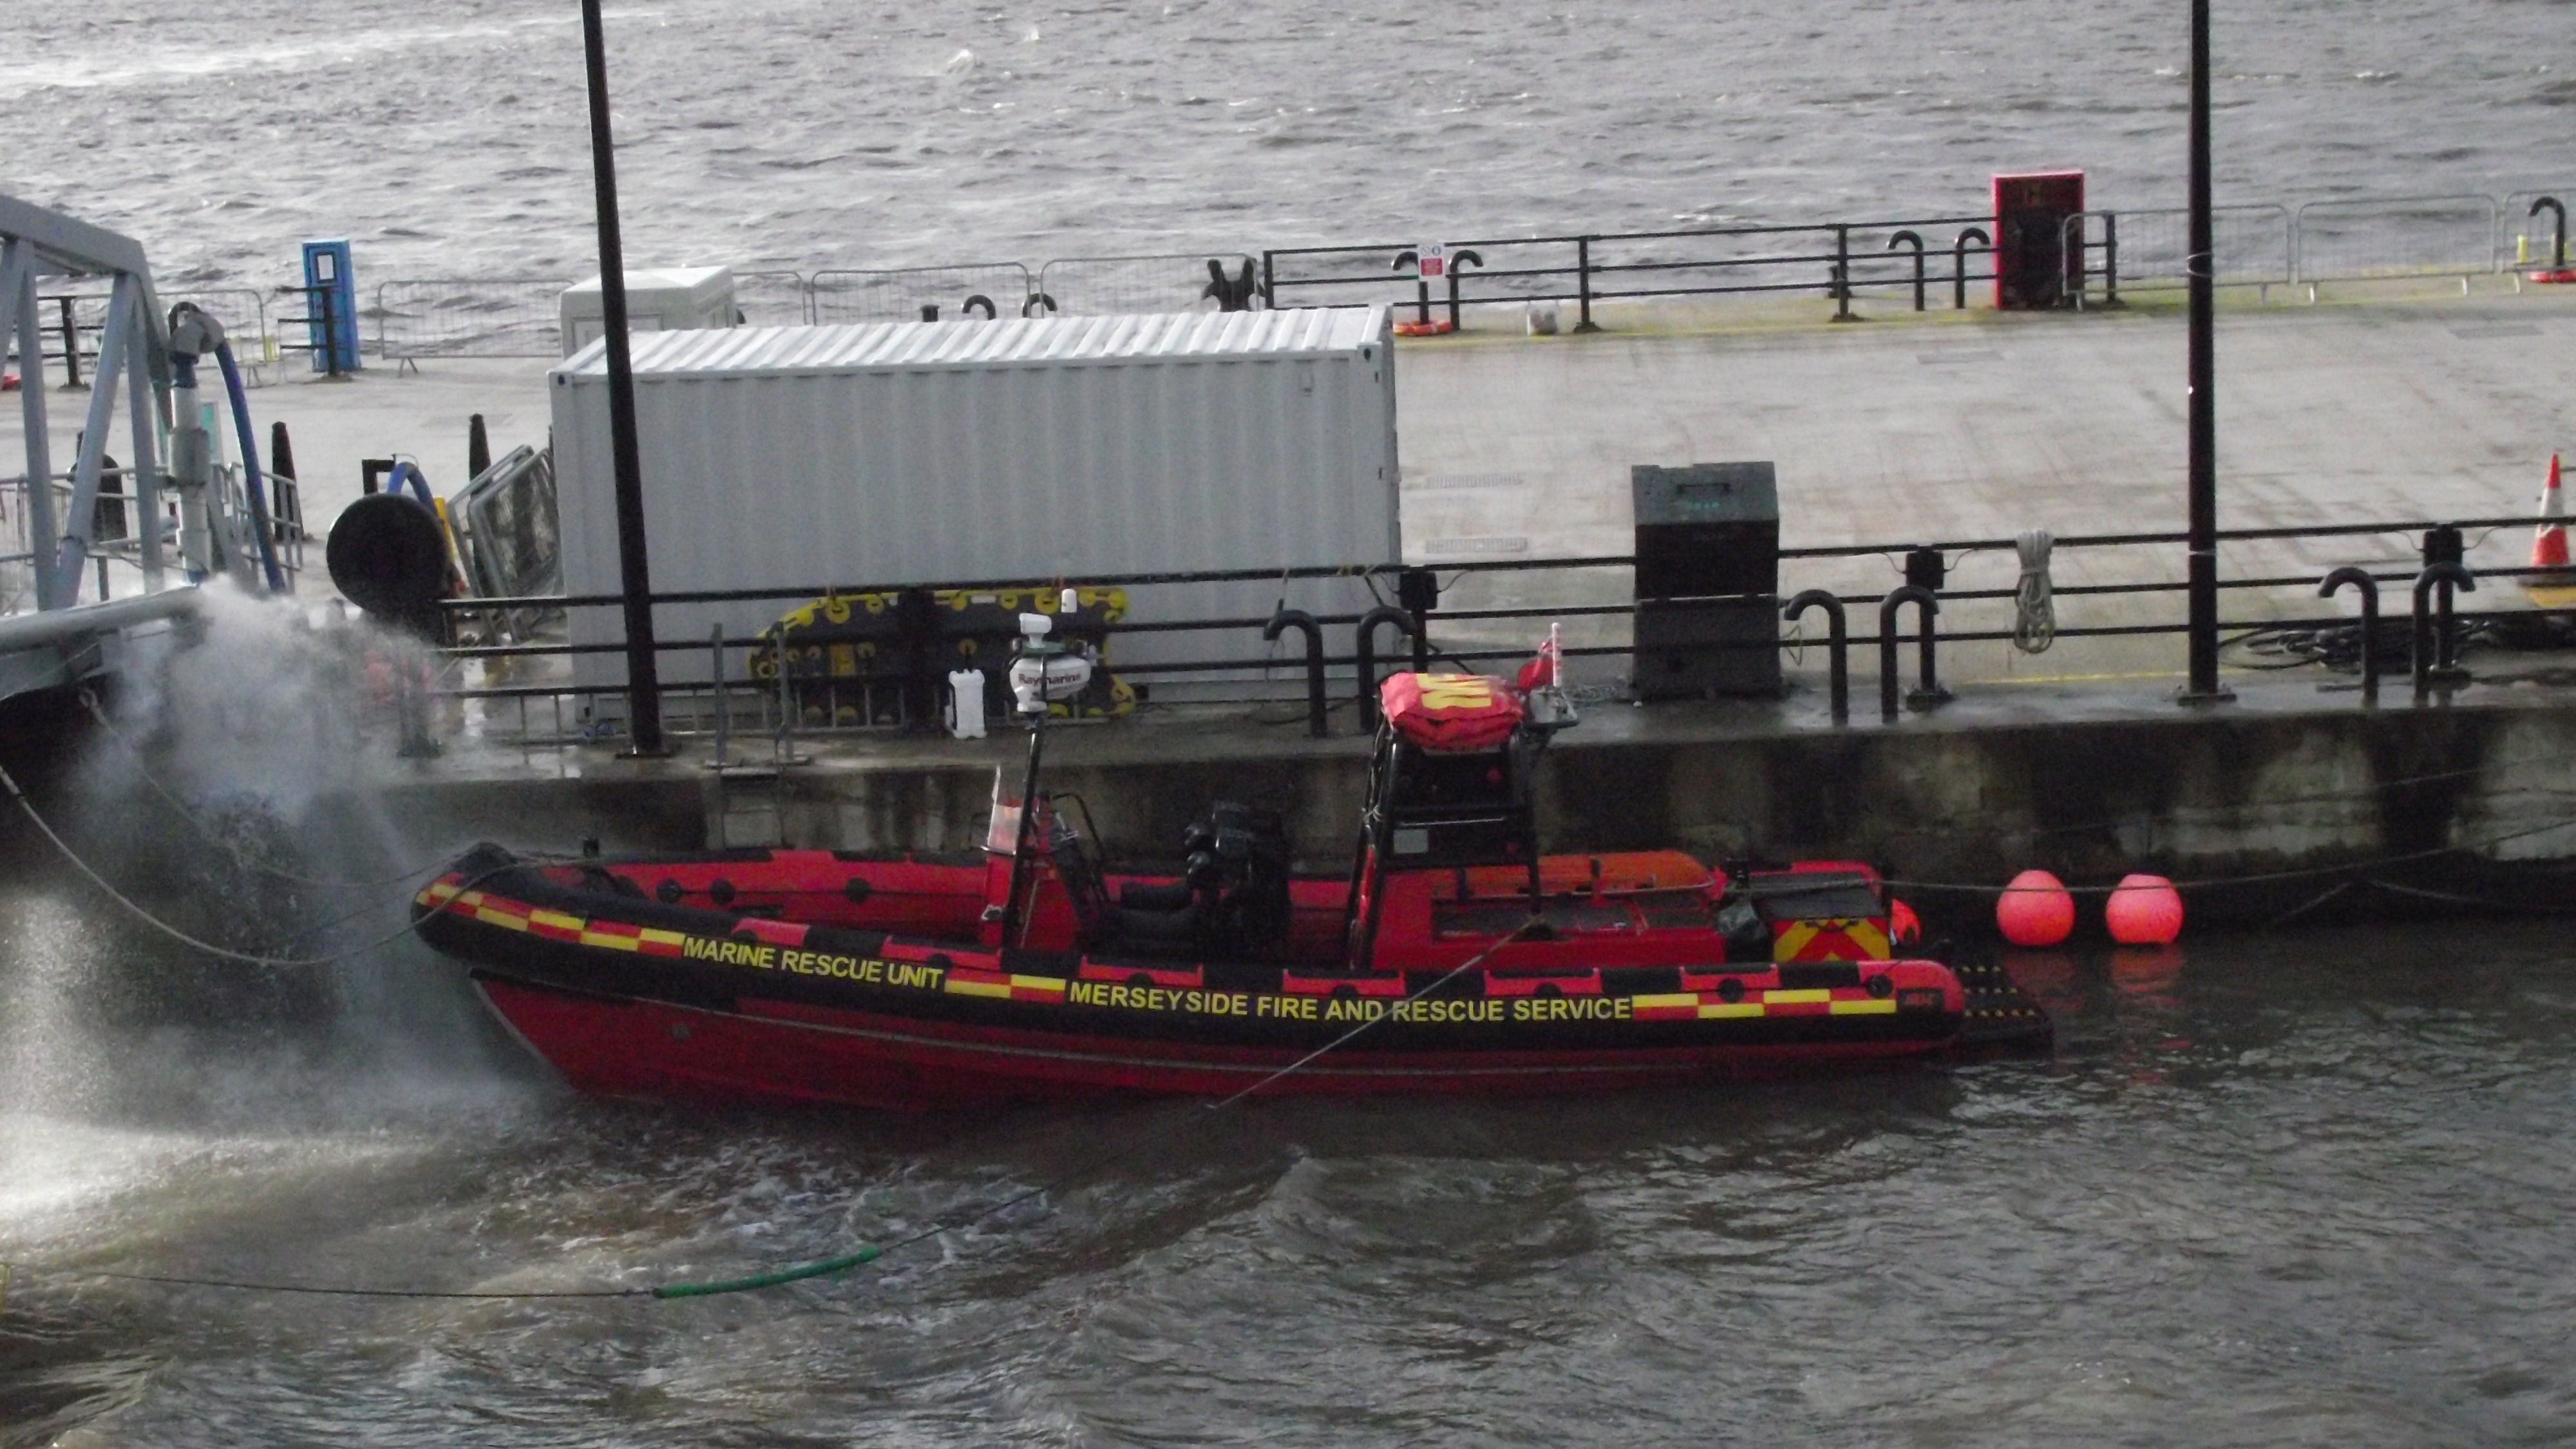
(1450, 712)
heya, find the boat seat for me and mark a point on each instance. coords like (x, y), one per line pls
(1157, 932)
(1140, 895)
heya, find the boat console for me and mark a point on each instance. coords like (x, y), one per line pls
(1449, 791)
(1231, 899)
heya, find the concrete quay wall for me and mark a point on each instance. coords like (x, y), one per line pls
(2438, 796)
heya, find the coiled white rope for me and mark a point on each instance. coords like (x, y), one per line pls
(2034, 601)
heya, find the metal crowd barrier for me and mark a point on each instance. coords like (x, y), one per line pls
(2365, 239)
(74, 315)
(468, 316)
(2149, 251)
(1164, 282)
(773, 298)
(2410, 236)
(912, 294)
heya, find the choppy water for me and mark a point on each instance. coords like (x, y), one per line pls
(450, 139)
(2297, 1189)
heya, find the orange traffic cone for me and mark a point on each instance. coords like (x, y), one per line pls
(2549, 541)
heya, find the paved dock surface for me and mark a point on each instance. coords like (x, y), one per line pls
(2417, 402)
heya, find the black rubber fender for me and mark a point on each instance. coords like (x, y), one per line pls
(388, 554)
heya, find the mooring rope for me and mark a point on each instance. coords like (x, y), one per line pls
(182, 937)
(2034, 613)
(817, 1269)
(2260, 807)
(2257, 878)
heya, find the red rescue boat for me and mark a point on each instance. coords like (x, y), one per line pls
(1453, 958)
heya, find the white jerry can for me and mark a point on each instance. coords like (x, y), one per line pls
(966, 704)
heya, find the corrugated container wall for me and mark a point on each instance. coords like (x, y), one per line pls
(1021, 450)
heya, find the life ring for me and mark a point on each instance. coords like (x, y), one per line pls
(1432, 328)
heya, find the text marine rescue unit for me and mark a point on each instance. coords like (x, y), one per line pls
(1452, 958)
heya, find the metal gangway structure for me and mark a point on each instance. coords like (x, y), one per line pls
(149, 357)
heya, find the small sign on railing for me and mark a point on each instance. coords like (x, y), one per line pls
(1431, 260)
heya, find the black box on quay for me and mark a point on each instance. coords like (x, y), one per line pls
(1709, 528)
(1702, 530)
(1704, 649)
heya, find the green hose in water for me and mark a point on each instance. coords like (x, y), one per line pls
(864, 1254)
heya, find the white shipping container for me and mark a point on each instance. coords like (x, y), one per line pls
(896, 454)
(671, 297)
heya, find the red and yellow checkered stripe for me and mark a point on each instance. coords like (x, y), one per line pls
(1801, 1001)
(1004, 986)
(549, 925)
(510, 915)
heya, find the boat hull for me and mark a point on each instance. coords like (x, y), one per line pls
(632, 996)
(785, 1054)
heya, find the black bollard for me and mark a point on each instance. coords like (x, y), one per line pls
(1365, 647)
(2360, 579)
(1466, 257)
(1959, 264)
(2431, 656)
(1317, 722)
(1231, 294)
(2558, 233)
(1838, 646)
(1929, 692)
(478, 448)
(1916, 238)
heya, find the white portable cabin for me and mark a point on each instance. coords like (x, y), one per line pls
(662, 300)
(1021, 450)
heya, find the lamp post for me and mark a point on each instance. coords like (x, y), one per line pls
(2202, 528)
(643, 669)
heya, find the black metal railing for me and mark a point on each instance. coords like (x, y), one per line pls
(1421, 629)
(1914, 262)
(1833, 260)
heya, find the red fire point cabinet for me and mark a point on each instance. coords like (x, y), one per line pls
(2039, 263)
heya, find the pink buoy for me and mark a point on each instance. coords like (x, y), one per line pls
(2035, 910)
(2144, 910)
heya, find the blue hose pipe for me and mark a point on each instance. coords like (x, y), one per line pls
(408, 471)
(252, 484)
